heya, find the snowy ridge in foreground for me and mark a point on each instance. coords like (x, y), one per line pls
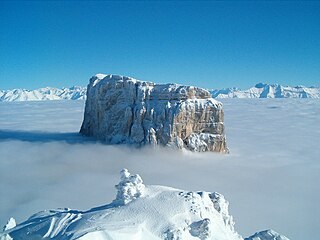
(138, 212)
(47, 93)
(262, 90)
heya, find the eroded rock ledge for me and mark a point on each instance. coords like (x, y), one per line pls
(121, 109)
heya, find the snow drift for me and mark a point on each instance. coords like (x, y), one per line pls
(138, 212)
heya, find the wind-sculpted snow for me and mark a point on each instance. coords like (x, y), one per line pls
(48, 93)
(121, 109)
(130, 187)
(138, 212)
(261, 90)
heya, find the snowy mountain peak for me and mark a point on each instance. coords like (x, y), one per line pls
(10, 224)
(46, 93)
(262, 90)
(145, 212)
(267, 235)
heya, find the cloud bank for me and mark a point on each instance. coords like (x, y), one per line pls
(270, 177)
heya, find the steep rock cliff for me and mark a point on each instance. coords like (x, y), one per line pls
(121, 109)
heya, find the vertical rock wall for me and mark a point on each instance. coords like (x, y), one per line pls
(121, 109)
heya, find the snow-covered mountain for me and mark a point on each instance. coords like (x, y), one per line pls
(262, 90)
(267, 235)
(47, 93)
(138, 212)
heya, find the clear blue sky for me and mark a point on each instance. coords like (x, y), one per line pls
(208, 44)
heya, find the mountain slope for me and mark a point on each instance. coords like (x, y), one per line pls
(47, 93)
(261, 90)
(138, 212)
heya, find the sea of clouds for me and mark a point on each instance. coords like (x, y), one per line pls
(271, 176)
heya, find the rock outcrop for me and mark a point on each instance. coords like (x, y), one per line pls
(121, 109)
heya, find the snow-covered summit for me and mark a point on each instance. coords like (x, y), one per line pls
(47, 93)
(262, 90)
(267, 235)
(171, 91)
(138, 212)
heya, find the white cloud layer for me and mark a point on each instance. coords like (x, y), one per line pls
(271, 177)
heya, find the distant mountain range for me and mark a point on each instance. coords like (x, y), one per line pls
(47, 93)
(260, 90)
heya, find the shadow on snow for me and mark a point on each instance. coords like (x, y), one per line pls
(38, 136)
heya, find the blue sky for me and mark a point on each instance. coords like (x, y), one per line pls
(208, 44)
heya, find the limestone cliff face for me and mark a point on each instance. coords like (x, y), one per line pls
(121, 109)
